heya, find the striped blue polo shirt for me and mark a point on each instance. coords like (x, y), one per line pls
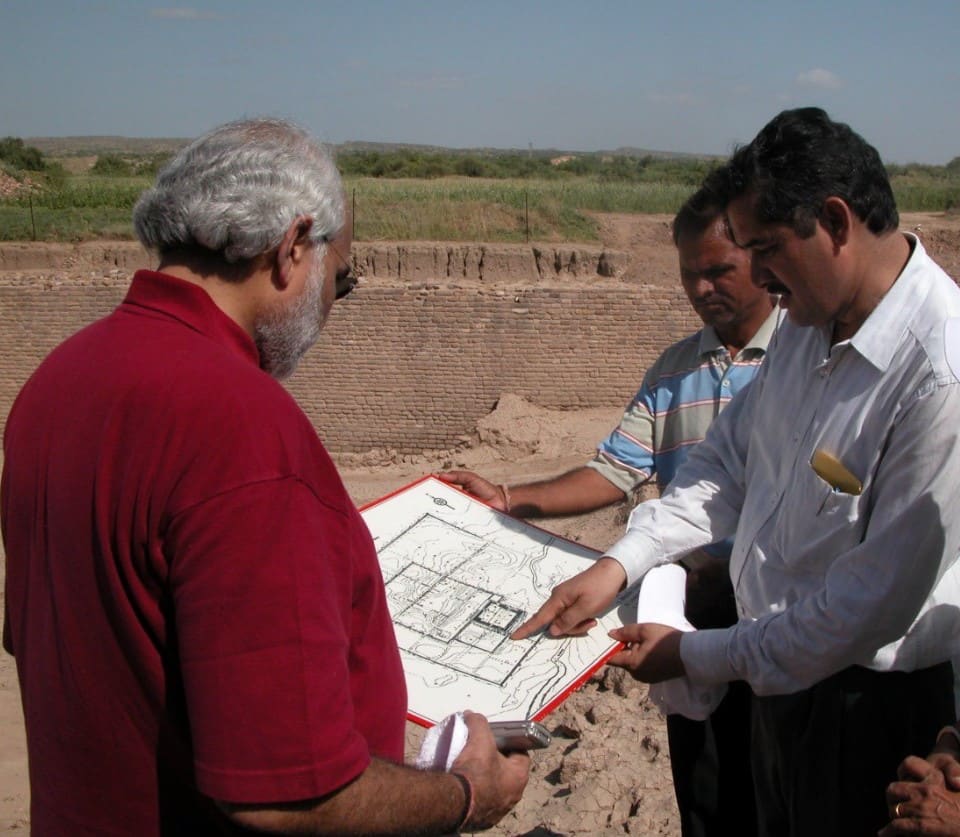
(682, 393)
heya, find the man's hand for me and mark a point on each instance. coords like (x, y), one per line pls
(476, 485)
(574, 604)
(652, 652)
(390, 798)
(922, 807)
(946, 758)
(498, 780)
(940, 766)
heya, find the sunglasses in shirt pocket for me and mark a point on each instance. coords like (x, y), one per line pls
(841, 487)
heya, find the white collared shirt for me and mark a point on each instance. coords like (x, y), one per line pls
(825, 579)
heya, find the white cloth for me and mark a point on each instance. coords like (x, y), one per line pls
(442, 743)
(823, 579)
(661, 600)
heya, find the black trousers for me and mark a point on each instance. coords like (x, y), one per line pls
(710, 759)
(712, 777)
(823, 757)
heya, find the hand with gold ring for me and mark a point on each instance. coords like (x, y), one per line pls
(923, 807)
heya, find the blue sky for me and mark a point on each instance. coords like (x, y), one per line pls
(671, 75)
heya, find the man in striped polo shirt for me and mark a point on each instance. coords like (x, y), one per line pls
(682, 392)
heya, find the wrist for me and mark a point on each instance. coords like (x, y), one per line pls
(469, 800)
(505, 491)
(613, 569)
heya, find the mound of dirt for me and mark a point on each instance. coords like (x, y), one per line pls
(10, 186)
(518, 429)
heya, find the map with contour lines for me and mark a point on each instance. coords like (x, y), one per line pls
(460, 577)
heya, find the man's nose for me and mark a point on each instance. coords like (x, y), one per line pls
(702, 286)
(759, 275)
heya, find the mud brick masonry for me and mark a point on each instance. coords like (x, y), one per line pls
(424, 347)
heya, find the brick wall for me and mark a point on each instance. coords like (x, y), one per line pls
(410, 364)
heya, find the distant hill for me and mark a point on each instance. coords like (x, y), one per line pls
(626, 151)
(94, 145)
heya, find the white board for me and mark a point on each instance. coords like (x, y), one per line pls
(460, 577)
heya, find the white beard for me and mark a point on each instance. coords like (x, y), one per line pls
(285, 333)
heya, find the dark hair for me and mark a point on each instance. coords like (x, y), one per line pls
(699, 212)
(801, 158)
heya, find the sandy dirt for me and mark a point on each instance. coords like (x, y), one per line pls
(608, 770)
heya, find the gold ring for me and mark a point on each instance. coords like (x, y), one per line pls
(896, 810)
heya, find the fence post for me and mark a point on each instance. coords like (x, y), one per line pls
(526, 214)
(33, 223)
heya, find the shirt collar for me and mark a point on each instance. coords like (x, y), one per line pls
(710, 343)
(880, 335)
(191, 305)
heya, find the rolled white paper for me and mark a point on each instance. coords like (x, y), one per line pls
(662, 597)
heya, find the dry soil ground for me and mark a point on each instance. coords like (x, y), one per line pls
(608, 770)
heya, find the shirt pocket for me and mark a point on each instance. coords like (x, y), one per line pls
(820, 523)
(834, 503)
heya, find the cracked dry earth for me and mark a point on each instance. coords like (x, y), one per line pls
(607, 771)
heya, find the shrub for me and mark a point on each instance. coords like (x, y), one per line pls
(112, 165)
(149, 166)
(21, 156)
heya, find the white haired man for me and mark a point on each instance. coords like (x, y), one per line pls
(195, 605)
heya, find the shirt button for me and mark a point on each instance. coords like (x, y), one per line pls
(726, 384)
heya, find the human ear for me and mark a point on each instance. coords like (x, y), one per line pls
(836, 218)
(292, 250)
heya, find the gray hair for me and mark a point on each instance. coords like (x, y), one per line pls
(236, 190)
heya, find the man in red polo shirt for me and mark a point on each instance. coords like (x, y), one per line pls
(195, 605)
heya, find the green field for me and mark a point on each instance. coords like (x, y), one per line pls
(421, 196)
(440, 209)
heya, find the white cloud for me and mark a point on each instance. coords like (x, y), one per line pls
(181, 13)
(819, 77)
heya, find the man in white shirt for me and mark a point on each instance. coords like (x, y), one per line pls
(836, 470)
(681, 395)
